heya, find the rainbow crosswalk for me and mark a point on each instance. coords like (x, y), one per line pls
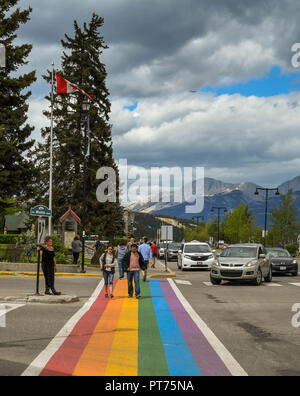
(154, 336)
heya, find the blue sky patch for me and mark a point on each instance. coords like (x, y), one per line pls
(132, 107)
(275, 82)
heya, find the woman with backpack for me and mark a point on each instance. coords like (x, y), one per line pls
(108, 263)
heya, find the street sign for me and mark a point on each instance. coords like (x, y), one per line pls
(2, 56)
(166, 233)
(40, 211)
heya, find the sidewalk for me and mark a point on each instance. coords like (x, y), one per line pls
(92, 272)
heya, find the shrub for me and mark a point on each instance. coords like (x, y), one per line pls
(8, 239)
(292, 249)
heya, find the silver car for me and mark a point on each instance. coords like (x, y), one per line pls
(242, 262)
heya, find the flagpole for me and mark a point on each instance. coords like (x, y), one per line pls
(51, 149)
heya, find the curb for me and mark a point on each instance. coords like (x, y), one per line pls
(42, 299)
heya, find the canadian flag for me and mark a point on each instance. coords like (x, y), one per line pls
(64, 86)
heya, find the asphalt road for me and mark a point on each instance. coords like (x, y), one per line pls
(30, 328)
(254, 323)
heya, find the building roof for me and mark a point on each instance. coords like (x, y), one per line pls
(16, 221)
(70, 213)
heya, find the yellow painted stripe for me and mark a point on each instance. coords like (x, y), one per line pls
(94, 359)
(123, 360)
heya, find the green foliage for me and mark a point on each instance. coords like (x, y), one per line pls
(292, 249)
(285, 222)
(16, 166)
(9, 239)
(239, 226)
(201, 233)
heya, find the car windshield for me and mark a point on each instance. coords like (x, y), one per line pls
(197, 249)
(279, 253)
(174, 246)
(246, 252)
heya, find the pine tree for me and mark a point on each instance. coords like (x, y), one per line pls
(15, 142)
(81, 64)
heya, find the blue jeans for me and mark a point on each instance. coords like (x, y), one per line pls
(108, 278)
(134, 275)
(121, 272)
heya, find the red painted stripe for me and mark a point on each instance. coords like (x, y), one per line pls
(64, 361)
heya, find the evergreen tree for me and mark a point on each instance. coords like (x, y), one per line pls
(285, 223)
(15, 142)
(81, 64)
(239, 226)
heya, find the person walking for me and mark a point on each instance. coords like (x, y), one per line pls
(97, 244)
(133, 263)
(130, 243)
(154, 249)
(121, 251)
(146, 252)
(108, 263)
(48, 265)
(76, 249)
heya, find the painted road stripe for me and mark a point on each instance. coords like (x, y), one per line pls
(272, 284)
(94, 359)
(5, 309)
(123, 359)
(207, 359)
(179, 358)
(229, 361)
(183, 282)
(295, 284)
(152, 359)
(208, 283)
(37, 366)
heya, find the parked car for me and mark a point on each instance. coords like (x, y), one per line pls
(194, 255)
(172, 251)
(282, 261)
(247, 262)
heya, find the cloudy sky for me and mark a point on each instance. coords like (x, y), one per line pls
(242, 123)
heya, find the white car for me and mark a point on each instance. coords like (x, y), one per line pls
(195, 255)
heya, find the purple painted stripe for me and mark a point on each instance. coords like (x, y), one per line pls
(208, 361)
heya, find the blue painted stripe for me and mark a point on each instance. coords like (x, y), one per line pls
(179, 357)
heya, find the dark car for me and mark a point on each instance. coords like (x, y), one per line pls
(282, 262)
(172, 252)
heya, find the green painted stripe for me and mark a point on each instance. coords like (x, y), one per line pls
(151, 360)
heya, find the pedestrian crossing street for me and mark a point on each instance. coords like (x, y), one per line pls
(209, 284)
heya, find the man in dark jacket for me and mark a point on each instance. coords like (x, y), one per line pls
(133, 262)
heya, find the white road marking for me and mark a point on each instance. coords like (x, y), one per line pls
(182, 282)
(208, 283)
(4, 309)
(295, 284)
(273, 284)
(229, 361)
(37, 366)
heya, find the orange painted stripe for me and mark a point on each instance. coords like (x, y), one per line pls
(93, 361)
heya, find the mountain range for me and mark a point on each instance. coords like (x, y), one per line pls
(229, 195)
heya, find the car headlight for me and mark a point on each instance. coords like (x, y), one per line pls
(188, 257)
(251, 264)
(295, 262)
(217, 263)
(211, 256)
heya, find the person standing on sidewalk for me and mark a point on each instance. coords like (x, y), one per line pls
(108, 263)
(154, 249)
(130, 244)
(133, 264)
(146, 252)
(48, 265)
(76, 249)
(121, 251)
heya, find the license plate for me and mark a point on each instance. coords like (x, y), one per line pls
(282, 268)
(201, 264)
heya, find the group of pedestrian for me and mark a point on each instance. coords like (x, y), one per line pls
(133, 259)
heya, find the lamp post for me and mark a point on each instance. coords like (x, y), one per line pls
(219, 208)
(85, 107)
(267, 190)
